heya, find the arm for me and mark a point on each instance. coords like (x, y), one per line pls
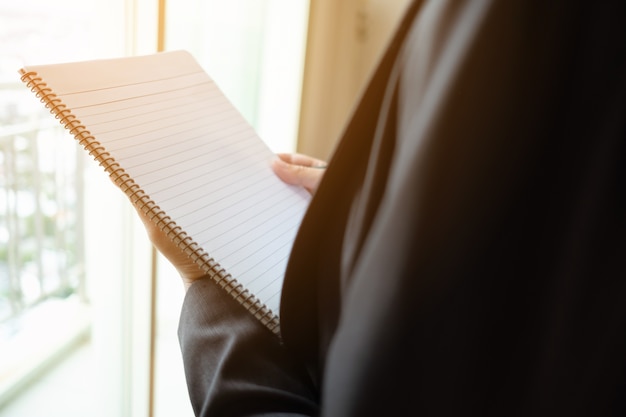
(233, 365)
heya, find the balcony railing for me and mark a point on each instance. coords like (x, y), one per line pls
(41, 207)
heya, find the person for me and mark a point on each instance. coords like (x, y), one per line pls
(463, 253)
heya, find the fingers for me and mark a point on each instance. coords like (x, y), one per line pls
(302, 170)
(303, 160)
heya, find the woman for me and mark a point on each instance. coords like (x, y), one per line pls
(462, 254)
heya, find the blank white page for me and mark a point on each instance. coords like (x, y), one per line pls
(167, 124)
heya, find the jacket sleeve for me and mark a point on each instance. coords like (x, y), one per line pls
(234, 366)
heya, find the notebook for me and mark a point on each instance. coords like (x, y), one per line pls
(172, 141)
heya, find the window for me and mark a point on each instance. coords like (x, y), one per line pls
(45, 308)
(254, 50)
(41, 238)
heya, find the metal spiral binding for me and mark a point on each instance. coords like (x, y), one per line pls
(142, 201)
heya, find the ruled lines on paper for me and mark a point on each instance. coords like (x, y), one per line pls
(195, 156)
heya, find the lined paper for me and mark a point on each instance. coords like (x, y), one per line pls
(169, 126)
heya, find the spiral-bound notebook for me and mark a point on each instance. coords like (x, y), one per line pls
(171, 140)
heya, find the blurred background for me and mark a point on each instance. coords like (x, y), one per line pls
(88, 312)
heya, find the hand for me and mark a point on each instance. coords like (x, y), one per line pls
(189, 271)
(298, 169)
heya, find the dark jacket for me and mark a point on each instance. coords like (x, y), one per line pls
(465, 253)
